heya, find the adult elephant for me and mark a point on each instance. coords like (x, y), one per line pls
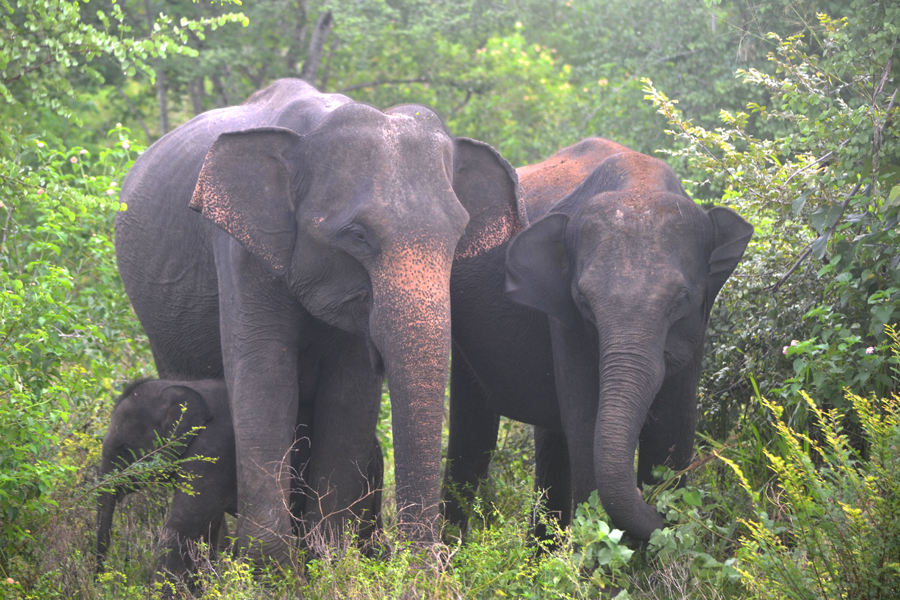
(317, 259)
(589, 325)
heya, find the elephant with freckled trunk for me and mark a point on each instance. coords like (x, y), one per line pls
(316, 260)
(589, 325)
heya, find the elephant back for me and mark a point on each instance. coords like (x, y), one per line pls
(544, 183)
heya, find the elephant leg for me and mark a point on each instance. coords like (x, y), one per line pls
(345, 417)
(263, 329)
(667, 436)
(552, 479)
(472, 439)
(577, 382)
(193, 518)
(375, 478)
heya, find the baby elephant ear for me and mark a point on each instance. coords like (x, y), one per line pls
(185, 409)
(537, 270)
(732, 236)
(245, 188)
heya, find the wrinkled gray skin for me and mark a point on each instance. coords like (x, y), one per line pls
(589, 325)
(317, 258)
(151, 410)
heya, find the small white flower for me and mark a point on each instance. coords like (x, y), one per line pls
(794, 342)
(126, 145)
(112, 184)
(40, 144)
(784, 351)
(110, 192)
(83, 151)
(870, 350)
(118, 124)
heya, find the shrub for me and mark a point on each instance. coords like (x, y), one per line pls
(829, 531)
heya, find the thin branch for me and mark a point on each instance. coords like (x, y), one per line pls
(29, 70)
(677, 56)
(808, 249)
(465, 101)
(136, 114)
(876, 136)
(774, 287)
(378, 83)
(9, 212)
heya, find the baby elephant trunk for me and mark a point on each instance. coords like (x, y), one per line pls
(106, 507)
(630, 378)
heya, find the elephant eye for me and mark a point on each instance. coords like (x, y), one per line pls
(356, 236)
(583, 305)
(679, 305)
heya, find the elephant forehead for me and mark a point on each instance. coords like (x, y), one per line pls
(641, 213)
(393, 157)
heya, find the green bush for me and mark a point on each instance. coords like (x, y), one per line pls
(828, 526)
(66, 333)
(825, 197)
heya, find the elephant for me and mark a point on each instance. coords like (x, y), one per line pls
(316, 260)
(196, 416)
(589, 324)
(150, 410)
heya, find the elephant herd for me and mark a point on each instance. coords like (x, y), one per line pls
(285, 255)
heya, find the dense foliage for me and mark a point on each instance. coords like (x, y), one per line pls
(785, 111)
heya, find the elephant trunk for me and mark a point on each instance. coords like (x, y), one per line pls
(106, 506)
(631, 372)
(410, 326)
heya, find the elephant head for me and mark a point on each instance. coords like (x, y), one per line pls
(147, 411)
(628, 266)
(361, 218)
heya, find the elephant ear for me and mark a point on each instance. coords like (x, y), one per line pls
(185, 409)
(732, 236)
(245, 188)
(488, 188)
(537, 270)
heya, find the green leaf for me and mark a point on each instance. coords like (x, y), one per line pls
(693, 498)
(893, 199)
(819, 245)
(798, 203)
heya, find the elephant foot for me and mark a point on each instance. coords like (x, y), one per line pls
(267, 549)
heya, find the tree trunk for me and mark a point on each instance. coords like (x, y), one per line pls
(298, 38)
(160, 78)
(197, 90)
(310, 70)
(221, 94)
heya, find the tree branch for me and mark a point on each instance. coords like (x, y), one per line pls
(774, 287)
(827, 233)
(378, 83)
(136, 114)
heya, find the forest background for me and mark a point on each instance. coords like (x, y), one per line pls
(785, 111)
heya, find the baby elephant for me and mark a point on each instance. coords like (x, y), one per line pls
(151, 408)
